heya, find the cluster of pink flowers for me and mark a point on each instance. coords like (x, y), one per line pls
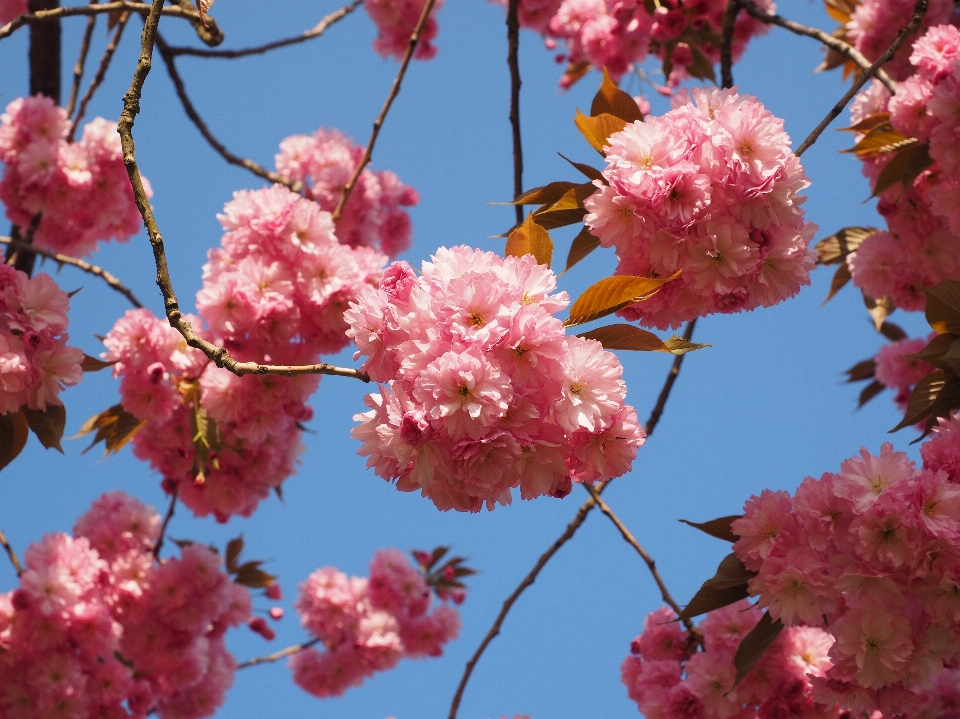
(616, 34)
(871, 553)
(97, 628)
(396, 20)
(80, 190)
(10, 9)
(874, 25)
(482, 390)
(896, 371)
(373, 216)
(669, 680)
(35, 361)
(367, 625)
(922, 244)
(275, 293)
(710, 188)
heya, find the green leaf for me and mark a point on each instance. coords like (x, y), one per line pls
(583, 244)
(115, 427)
(943, 307)
(48, 425)
(727, 586)
(719, 528)
(628, 337)
(835, 248)
(530, 239)
(905, 167)
(597, 129)
(754, 645)
(13, 436)
(612, 294)
(611, 100)
(92, 364)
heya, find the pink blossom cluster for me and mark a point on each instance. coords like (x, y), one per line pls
(35, 361)
(373, 215)
(670, 680)
(10, 9)
(367, 625)
(872, 554)
(274, 293)
(710, 188)
(874, 26)
(481, 390)
(396, 20)
(79, 189)
(98, 628)
(921, 246)
(616, 34)
(893, 369)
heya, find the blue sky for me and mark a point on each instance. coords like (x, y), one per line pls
(763, 407)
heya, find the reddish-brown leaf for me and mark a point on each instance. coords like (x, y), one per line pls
(905, 167)
(835, 248)
(719, 528)
(754, 645)
(612, 294)
(114, 427)
(628, 337)
(943, 307)
(613, 101)
(583, 244)
(597, 129)
(13, 436)
(727, 586)
(530, 239)
(48, 425)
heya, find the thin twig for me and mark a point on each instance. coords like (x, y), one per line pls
(171, 305)
(277, 656)
(661, 404)
(313, 32)
(834, 43)
(391, 96)
(166, 521)
(726, 43)
(41, 15)
(79, 264)
(99, 77)
(568, 533)
(513, 60)
(81, 61)
(651, 564)
(10, 553)
(194, 116)
(920, 9)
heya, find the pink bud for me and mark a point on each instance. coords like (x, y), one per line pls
(415, 429)
(276, 613)
(259, 625)
(155, 372)
(449, 574)
(458, 595)
(274, 592)
(682, 55)
(550, 43)
(398, 279)
(423, 558)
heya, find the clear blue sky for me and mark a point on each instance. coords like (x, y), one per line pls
(763, 407)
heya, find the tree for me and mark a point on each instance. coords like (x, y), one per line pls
(547, 107)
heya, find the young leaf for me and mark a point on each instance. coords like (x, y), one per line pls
(943, 307)
(592, 172)
(754, 645)
(234, 547)
(13, 436)
(203, 6)
(567, 210)
(719, 528)
(879, 309)
(612, 294)
(115, 427)
(583, 244)
(841, 277)
(611, 100)
(881, 140)
(546, 195)
(250, 575)
(835, 248)
(905, 167)
(727, 586)
(870, 122)
(701, 67)
(922, 398)
(869, 392)
(597, 129)
(892, 332)
(862, 370)
(48, 425)
(530, 239)
(628, 337)
(841, 10)
(575, 71)
(92, 364)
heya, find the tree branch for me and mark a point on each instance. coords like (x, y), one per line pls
(513, 60)
(920, 9)
(81, 61)
(726, 43)
(87, 10)
(10, 553)
(391, 96)
(79, 264)
(256, 169)
(651, 564)
(99, 77)
(834, 43)
(568, 533)
(313, 32)
(278, 655)
(166, 522)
